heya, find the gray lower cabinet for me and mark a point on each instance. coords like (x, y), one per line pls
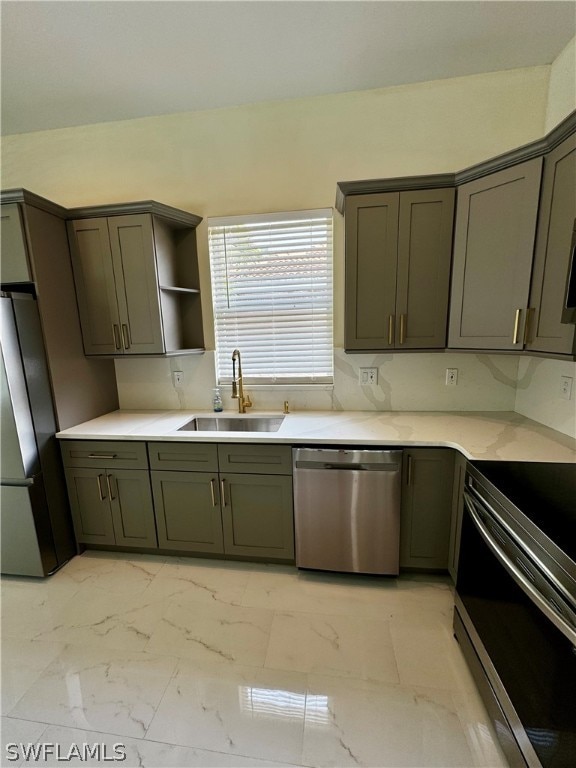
(257, 515)
(201, 506)
(112, 506)
(427, 491)
(545, 331)
(398, 254)
(493, 246)
(187, 506)
(109, 491)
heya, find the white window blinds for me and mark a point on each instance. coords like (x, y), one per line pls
(272, 296)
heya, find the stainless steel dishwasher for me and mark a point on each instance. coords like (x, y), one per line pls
(347, 509)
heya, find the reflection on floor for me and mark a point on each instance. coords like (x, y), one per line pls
(189, 662)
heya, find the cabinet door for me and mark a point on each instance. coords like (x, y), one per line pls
(426, 508)
(132, 509)
(90, 506)
(546, 332)
(95, 286)
(493, 246)
(424, 257)
(134, 258)
(258, 516)
(371, 223)
(187, 508)
(15, 265)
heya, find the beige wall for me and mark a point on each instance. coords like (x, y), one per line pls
(562, 86)
(282, 155)
(289, 155)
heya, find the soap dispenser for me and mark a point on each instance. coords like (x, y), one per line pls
(217, 401)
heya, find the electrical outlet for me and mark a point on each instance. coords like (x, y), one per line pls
(367, 376)
(177, 379)
(566, 387)
(451, 377)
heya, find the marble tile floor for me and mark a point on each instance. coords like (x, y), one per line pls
(193, 662)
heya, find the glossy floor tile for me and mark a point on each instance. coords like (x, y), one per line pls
(192, 662)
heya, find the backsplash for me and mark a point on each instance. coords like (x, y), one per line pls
(406, 382)
(538, 393)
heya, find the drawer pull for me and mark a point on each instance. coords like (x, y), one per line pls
(100, 491)
(102, 455)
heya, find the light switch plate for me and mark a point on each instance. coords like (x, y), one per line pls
(177, 379)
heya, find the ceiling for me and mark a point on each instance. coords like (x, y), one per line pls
(74, 63)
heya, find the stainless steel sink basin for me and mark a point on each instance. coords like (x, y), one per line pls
(231, 424)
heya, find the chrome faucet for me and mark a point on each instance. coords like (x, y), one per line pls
(237, 384)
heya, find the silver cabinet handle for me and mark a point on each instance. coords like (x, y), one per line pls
(213, 491)
(109, 484)
(390, 329)
(102, 455)
(116, 331)
(100, 491)
(222, 489)
(125, 336)
(516, 326)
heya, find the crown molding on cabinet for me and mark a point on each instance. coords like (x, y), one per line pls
(175, 215)
(498, 163)
(8, 196)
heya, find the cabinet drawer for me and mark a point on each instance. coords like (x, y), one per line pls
(104, 453)
(188, 457)
(257, 459)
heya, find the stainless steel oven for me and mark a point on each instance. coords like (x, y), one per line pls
(515, 614)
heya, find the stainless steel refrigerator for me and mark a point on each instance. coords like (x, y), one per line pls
(36, 528)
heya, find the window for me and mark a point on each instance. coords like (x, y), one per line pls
(272, 296)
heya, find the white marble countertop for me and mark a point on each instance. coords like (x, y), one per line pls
(496, 435)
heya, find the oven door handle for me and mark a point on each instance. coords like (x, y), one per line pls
(525, 585)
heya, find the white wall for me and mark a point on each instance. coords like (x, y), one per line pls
(562, 86)
(289, 155)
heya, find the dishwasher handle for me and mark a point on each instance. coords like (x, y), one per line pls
(391, 467)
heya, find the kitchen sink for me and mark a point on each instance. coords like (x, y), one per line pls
(233, 424)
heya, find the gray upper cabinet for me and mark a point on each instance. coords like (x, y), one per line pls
(545, 331)
(35, 250)
(493, 247)
(371, 237)
(398, 251)
(137, 282)
(15, 265)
